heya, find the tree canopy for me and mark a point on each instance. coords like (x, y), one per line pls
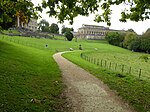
(69, 9)
(66, 29)
(11, 9)
(44, 26)
(54, 28)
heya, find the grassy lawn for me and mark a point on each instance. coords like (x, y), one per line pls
(30, 80)
(123, 57)
(133, 90)
(28, 72)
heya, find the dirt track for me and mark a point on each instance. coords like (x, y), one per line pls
(86, 93)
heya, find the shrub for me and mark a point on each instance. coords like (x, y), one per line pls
(69, 35)
(129, 38)
(113, 38)
(135, 45)
(141, 45)
(145, 45)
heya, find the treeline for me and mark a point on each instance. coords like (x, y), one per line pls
(130, 40)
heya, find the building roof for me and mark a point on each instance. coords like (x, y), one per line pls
(84, 26)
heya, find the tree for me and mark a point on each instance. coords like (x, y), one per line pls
(69, 9)
(147, 33)
(11, 9)
(130, 30)
(54, 28)
(69, 35)
(44, 26)
(114, 38)
(65, 29)
(129, 38)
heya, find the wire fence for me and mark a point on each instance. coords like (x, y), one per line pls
(121, 68)
(27, 42)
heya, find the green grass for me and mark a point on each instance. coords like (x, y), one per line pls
(133, 90)
(10, 31)
(31, 56)
(124, 57)
(27, 73)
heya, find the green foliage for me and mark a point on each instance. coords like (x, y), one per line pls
(9, 10)
(145, 45)
(54, 28)
(65, 29)
(147, 33)
(136, 45)
(134, 91)
(130, 37)
(69, 9)
(141, 44)
(114, 38)
(44, 26)
(69, 35)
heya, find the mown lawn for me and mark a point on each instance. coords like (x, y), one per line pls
(30, 80)
(32, 58)
(129, 87)
(130, 60)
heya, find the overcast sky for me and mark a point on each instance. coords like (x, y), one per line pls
(139, 27)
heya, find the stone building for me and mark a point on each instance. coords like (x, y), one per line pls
(32, 25)
(92, 32)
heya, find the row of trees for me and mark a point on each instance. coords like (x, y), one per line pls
(44, 26)
(130, 40)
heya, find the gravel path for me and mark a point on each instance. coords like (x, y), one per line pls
(86, 93)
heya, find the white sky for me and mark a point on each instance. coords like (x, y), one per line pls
(139, 27)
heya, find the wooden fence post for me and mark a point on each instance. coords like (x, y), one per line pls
(130, 70)
(116, 66)
(97, 61)
(140, 72)
(110, 65)
(105, 63)
(101, 62)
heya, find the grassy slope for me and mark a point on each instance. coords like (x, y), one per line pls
(127, 58)
(27, 73)
(135, 91)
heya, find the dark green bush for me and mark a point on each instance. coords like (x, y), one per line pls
(69, 35)
(114, 38)
(141, 45)
(135, 45)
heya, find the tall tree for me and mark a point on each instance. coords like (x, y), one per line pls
(66, 29)
(11, 9)
(44, 26)
(69, 9)
(147, 33)
(54, 28)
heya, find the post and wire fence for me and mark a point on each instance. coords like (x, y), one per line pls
(121, 68)
(26, 42)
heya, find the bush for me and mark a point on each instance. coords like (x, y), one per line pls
(69, 35)
(145, 45)
(128, 39)
(141, 45)
(135, 45)
(114, 38)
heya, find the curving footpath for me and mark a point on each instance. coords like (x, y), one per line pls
(86, 93)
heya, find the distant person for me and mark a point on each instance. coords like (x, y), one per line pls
(80, 47)
(46, 45)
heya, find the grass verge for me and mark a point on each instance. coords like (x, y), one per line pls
(134, 91)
